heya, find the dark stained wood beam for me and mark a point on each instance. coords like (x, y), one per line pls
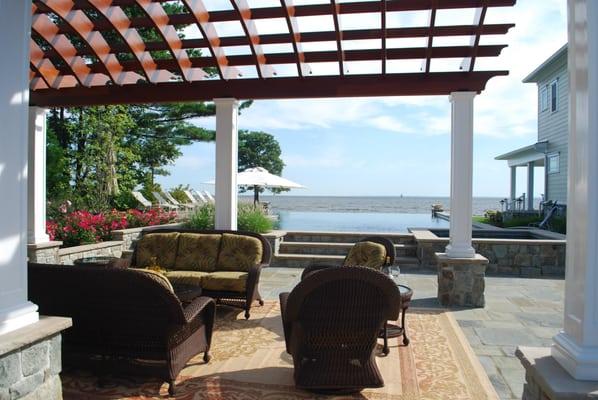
(275, 88)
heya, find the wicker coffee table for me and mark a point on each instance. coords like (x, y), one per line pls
(393, 330)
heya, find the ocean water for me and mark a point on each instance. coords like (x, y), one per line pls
(363, 214)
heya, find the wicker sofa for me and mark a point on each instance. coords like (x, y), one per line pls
(226, 264)
(125, 321)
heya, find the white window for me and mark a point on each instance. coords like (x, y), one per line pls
(553, 161)
(544, 98)
(554, 95)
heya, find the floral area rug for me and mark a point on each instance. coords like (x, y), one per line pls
(249, 362)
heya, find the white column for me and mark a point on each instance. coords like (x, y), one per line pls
(576, 347)
(227, 150)
(461, 175)
(530, 185)
(15, 22)
(36, 176)
(513, 195)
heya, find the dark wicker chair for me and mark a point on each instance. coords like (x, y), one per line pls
(242, 300)
(388, 245)
(130, 320)
(331, 322)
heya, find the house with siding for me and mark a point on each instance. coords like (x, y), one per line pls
(550, 151)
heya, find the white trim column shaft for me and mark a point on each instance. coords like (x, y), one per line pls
(15, 23)
(36, 177)
(513, 195)
(530, 185)
(227, 143)
(461, 175)
(576, 347)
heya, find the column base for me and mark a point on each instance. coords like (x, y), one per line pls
(546, 379)
(453, 251)
(461, 281)
(18, 317)
(580, 362)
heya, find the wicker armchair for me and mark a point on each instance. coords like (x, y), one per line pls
(331, 323)
(129, 320)
(389, 259)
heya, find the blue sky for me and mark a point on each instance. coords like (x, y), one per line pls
(391, 146)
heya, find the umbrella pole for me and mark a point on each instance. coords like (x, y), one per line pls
(256, 195)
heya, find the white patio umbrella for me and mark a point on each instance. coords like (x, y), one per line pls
(260, 177)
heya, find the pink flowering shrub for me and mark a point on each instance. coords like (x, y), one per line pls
(83, 227)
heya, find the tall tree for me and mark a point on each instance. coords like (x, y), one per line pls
(260, 149)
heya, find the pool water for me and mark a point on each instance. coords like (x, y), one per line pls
(356, 222)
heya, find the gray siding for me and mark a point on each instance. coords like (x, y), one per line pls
(554, 127)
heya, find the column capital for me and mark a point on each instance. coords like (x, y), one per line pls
(226, 100)
(454, 96)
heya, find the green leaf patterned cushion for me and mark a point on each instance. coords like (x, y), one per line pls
(239, 253)
(158, 277)
(197, 252)
(157, 249)
(366, 254)
(187, 277)
(228, 281)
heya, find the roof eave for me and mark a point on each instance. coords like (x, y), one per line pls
(532, 77)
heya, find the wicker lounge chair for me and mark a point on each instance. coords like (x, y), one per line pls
(331, 323)
(130, 320)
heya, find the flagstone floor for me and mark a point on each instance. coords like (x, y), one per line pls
(519, 311)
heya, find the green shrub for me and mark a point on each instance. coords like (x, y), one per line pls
(494, 217)
(203, 218)
(253, 219)
(249, 218)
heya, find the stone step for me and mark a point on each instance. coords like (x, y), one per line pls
(305, 260)
(345, 237)
(332, 248)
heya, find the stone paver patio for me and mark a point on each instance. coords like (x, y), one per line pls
(519, 311)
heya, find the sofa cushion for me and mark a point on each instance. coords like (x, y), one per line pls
(157, 249)
(239, 253)
(187, 277)
(197, 252)
(367, 254)
(158, 277)
(229, 281)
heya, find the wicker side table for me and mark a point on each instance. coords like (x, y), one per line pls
(393, 330)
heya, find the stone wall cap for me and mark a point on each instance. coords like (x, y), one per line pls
(139, 229)
(22, 337)
(552, 378)
(274, 234)
(44, 245)
(476, 259)
(89, 247)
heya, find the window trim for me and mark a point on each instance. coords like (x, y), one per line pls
(544, 98)
(550, 156)
(554, 100)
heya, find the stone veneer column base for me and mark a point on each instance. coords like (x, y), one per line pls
(30, 361)
(461, 280)
(547, 380)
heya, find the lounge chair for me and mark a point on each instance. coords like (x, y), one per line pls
(209, 196)
(331, 322)
(142, 200)
(177, 203)
(199, 196)
(163, 203)
(192, 199)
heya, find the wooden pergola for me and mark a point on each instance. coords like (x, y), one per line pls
(90, 52)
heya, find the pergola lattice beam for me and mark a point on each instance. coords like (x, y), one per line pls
(96, 45)
(284, 88)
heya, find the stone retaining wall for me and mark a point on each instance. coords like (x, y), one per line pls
(516, 257)
(110, 249)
